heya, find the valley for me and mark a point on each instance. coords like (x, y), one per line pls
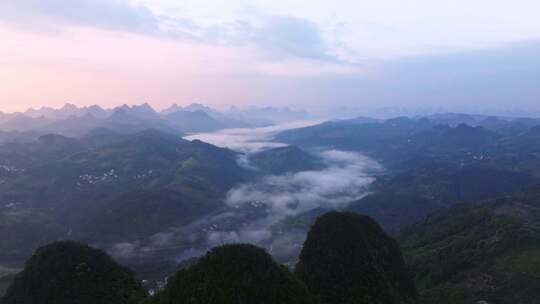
(154, 199)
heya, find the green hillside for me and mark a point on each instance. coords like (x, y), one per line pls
(478, 252)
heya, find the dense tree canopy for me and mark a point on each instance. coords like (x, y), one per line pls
(482, 251)
(69, 272)
(347, 258)
(234, 274)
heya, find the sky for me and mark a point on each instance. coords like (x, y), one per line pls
(304, 53)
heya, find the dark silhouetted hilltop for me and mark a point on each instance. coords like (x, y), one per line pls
(348, 258)
(69, 272)
(234, 274)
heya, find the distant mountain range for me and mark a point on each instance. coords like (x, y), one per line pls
(452, 137)
(71, 120)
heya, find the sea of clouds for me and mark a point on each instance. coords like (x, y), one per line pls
(253, 210)
(346, 178)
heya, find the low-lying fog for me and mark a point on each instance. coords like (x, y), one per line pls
(249, 140)
(258, 211)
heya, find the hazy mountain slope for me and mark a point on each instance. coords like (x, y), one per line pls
(74, 125)
(196, 121)
(74, 121)
(394, 211)
(285, 159)
(383, 141)
(219, 118)
(18, 136)
(507, 127)
(343, 136)
(471, 253)
(46, 148)
(407, 197)
(264, 116)
(5, 281)
(5, 117)
(128, 120)
(443, 140)
(447, 183)
(401, 199)
(140, 214)
(400, 143)
(137, 185)
(68, 110)
(22, 122)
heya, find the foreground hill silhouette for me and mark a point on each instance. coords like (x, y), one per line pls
(234, 274)
(69, 272)
(348, 258)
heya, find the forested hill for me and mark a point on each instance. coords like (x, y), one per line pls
(458, 139)
(328, 272)
(69, 272)
(483, 251)
(107, 187)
